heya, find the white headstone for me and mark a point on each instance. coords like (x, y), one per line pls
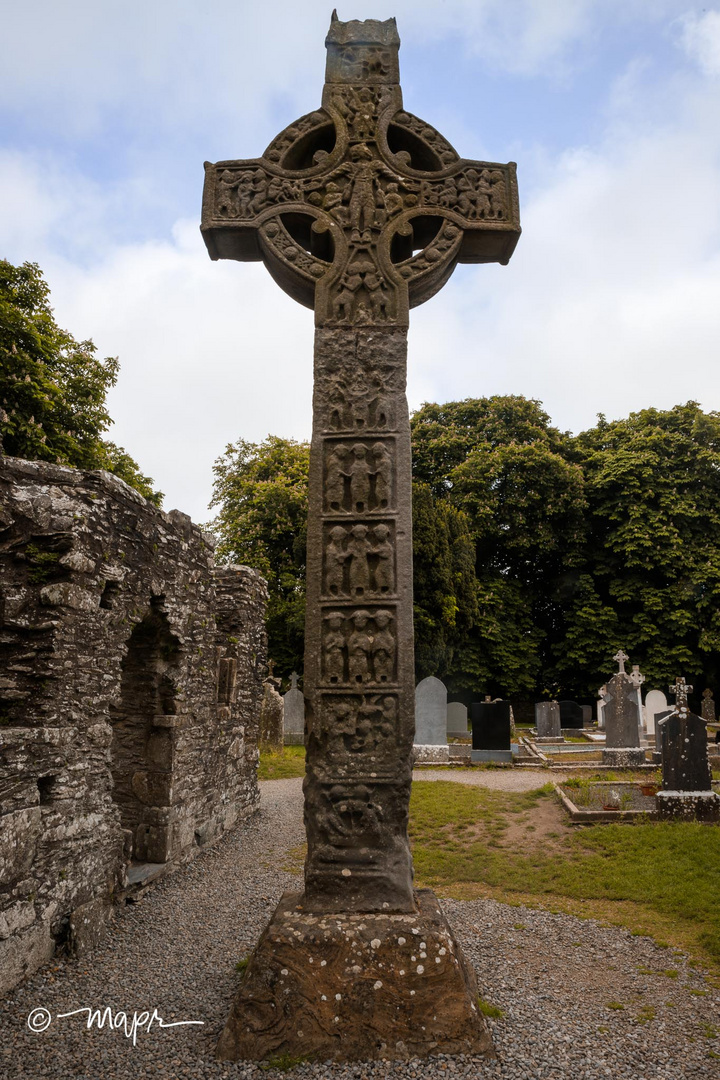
(294, 714)
(655, 702)
(457, 718)
(431, 713)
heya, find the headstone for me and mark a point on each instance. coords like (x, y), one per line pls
(431, 712)
(655, 702)
(547, 720)
(601, 703)
(637, 679)
(687, 780)
(622, 720)
(491, 725)
(571, 715)
(360, 211)
(294, 714)
(659, 717)
(457, 719)
(707, 708)
(587, 715)
(270, 736)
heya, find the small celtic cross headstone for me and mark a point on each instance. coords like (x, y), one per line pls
(680, 690)
(360, 211)
(621, 657)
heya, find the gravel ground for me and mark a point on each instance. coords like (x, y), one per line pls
(496, 779)
(553, 976)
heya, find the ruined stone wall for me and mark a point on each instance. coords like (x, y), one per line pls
(130, 688)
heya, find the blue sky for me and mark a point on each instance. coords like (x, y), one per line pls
(612, 299)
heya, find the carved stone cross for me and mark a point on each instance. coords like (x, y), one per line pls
(360, 210)
(620, 657)
(680, 690)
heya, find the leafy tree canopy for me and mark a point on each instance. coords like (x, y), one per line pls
(52, 387)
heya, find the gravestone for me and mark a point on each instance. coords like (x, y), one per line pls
(294, 714)
(659, 717)
(601, 703)
(707, 707)
(430, 744)
(687, 781)
(360, 211)
(491, 731)
(571, 715)
(622, 720)
(547, 721)
(270, 736)
(457, 719)
(637, 679)
(655, 702)
(587, 715)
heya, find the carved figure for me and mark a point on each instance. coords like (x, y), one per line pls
(359, 472)
(358, 549)
(383, 647)
(383, 475)
(333, 647)
(384, 571)
(359, 647)
(335, 478)
(335, 557)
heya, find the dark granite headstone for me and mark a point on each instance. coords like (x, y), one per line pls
(659, 717)
(571, 715)
(547, 719)
(685, 764)
(490, 725)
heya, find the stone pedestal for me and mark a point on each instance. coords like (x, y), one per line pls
(623, 757)
(339, 987)
(688, 805)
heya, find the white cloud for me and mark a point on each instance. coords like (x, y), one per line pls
(701, 39)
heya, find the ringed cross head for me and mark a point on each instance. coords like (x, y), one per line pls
(359, 209)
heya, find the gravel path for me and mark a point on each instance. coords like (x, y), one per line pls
(495, 779)
(553, 976)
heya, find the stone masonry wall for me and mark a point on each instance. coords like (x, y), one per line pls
(130, 689)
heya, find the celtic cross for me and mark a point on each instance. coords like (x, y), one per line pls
(620, 658)
(360, 211)
(680, 690)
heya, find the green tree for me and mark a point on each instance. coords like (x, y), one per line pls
(652, 559)
(444, 587)
(499, 461)
(261, 491)
(52, 387)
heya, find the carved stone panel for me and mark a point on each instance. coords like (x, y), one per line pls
(359, 560)
(359, 646)
(359, 476)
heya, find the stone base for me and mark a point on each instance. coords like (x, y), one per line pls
(431, 754)
(294, 738)
(623, 757)
(550, 739)
(460, 751)
(355, 987)
(688, 805)
(491, 755)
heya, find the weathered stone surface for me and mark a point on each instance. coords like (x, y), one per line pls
(271, 717)
(687, 779)
(622, 720)
(431, 712)
(655, 703)
(547, 720)
(457, 719)
(340, 987)
(294, 714)
(360, 211)
(129, 697)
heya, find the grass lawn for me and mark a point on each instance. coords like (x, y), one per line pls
(283, 765)
(657, 879)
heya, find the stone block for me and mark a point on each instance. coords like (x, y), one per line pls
(88, 926)
(342, 987)
(23, 953)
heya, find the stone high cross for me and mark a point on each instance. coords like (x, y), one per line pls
(621, 657)
(360, 211)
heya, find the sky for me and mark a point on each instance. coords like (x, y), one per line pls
(610, 304)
